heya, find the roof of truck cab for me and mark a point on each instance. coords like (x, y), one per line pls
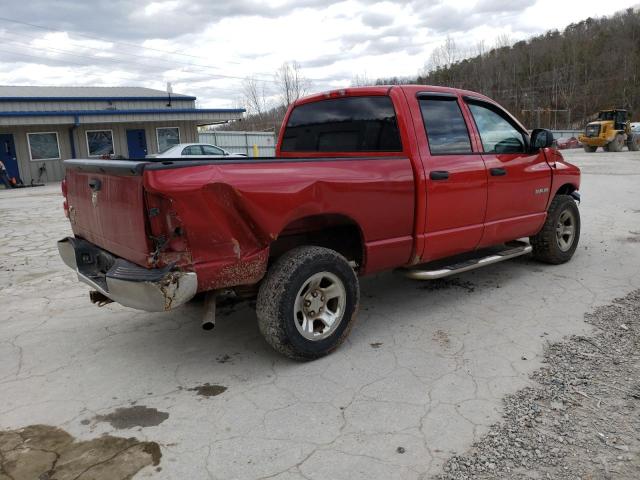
(385, 89)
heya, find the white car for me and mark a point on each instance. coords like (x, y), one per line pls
(195, 150)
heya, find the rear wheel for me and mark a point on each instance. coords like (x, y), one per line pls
(557, 241)
(616, 144)
(307, 303)
(633, 143)
(590, 149)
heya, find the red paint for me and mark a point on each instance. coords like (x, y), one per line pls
(220, 220)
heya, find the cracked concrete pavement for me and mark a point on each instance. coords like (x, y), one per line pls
(421, 376)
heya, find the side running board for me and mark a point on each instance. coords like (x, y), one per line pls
(512, 250)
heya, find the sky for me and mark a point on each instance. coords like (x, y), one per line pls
(207, 47)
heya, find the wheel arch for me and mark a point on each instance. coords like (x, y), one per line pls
(565, 189)
(330, 230)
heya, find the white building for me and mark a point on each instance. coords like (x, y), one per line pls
(42, 126)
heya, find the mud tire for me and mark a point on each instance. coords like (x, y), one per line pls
(589, 148)
(633, 143)
(277, 297)
(545, 243)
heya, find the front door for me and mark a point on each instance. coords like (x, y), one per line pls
(136, 144)
(8, 155)
(519, 179)
(456, 178)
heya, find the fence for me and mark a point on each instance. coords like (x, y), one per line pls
(242, 142)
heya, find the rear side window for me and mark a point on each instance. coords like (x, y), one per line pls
(192, 150)
(349, 124)
(446, 130)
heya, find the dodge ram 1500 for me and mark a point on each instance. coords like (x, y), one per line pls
(431, 181)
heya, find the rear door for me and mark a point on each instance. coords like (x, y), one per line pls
(456, 177)
(519, 180)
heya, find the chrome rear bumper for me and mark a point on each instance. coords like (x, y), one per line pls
(153, 290)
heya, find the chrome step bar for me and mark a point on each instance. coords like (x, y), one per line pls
(512, 250)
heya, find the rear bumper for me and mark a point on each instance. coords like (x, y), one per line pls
(153, 290)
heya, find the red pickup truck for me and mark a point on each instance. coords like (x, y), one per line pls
(428, 180)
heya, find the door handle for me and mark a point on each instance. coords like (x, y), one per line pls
(439, 175)
(498, 172)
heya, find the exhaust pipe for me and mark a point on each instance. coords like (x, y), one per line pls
(209, 314)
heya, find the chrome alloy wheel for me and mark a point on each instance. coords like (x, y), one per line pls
(319, 306)
(565, 230)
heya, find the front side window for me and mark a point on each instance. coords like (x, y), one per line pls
(167, 138)
(43, 146)
(211, 150)
(349, 124)
(498, 134)
(99, 142)
(446, 130)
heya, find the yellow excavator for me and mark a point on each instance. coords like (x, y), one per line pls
(611, 131)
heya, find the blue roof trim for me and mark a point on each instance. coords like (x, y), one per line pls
(93, 99)
(68, 113)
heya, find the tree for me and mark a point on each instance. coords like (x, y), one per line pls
(255, 97)
(291, 83)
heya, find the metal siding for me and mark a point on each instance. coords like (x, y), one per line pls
(242, 142)
(39, 92)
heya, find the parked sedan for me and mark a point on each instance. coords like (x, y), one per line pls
(195, 150)
(565, 143)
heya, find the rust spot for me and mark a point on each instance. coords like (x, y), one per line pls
(236, 248)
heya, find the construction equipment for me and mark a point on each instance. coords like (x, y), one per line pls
(611, 131)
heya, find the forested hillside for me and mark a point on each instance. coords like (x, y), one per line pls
(556, 80)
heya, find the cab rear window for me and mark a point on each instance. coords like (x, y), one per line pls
(349, 124)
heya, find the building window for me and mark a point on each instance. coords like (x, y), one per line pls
(167, 137)
(43, 146)
(99, 142)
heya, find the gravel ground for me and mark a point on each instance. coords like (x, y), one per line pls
(581, 418)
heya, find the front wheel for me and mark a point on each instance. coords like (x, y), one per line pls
(634, 143)
(557, 241)
(616, 144)
(307, 303)
(590, 149)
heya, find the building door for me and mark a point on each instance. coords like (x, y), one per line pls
(8, 155)
(136, 144)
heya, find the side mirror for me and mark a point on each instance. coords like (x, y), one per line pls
(541, 138)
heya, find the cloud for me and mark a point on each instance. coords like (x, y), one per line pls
(206, 48)
(375, 20)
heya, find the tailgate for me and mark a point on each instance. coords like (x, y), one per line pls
(107, 208)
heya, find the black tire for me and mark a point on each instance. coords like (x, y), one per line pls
(616, 144)
(590, 149)
(633, 143)
(281, 289)
(547, 245)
